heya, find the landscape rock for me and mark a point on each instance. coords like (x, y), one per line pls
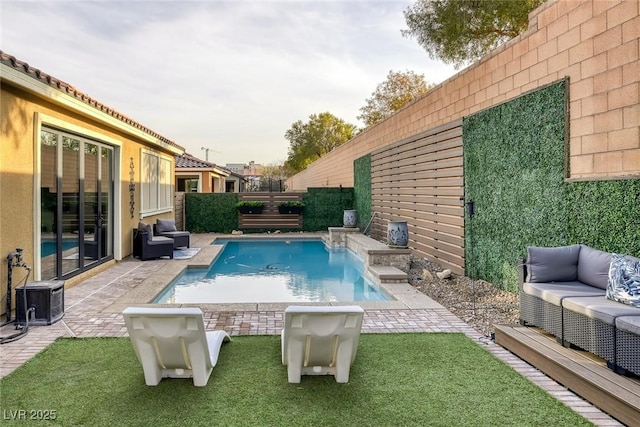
(476, 302)
(444, 274)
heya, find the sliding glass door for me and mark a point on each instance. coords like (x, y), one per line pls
(76, 203)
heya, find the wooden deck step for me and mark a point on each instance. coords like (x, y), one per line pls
(581, 372)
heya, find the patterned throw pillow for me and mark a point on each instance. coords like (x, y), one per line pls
(624, 280)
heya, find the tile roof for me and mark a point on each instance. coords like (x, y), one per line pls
(66, 88)
(188, 161)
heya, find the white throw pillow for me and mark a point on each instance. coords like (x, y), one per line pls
(624, 280)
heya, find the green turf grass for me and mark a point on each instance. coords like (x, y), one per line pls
(431, 379)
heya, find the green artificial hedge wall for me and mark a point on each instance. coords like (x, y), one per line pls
(211, 212)
(513, 173)
(514, 169)
(217, 213)
(605, 215)
(362, 189)
(324, 207)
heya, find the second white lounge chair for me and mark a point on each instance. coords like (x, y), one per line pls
(320, 340)
(172, 343)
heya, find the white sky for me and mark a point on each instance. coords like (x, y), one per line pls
(232, 76)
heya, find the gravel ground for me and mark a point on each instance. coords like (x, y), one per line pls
(476, 302)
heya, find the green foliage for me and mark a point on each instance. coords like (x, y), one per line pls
(362, 189)
(250, 203)
(605, 215)
(514, 172)
(273, 177)
(404, 379)
(513, 165)
(311, 140)
(395, 92)
(324, 207)
(211, 212)
(460, 31)
(291, 204)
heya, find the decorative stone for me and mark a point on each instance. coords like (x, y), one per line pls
(350, 219)
(426, 275)
(444, 274)
(397, 234)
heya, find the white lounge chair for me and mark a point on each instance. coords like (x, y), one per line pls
(320, 340)
(172, 343)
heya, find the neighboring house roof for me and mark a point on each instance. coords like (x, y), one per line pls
(237, 175)
(187, 161)
(66, 88)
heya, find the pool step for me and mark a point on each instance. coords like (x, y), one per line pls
(376, 253)
(388, 274)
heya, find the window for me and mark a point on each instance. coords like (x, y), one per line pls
(188, 185)
(155, 183)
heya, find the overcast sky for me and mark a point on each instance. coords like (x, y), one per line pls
(231, 76)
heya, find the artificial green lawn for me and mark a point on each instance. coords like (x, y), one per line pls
(396, 380)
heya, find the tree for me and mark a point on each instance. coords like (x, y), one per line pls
(311, 140)
(460, 31)
(391, 95)
(273, 176)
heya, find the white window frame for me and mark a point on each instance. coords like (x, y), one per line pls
(156, 183)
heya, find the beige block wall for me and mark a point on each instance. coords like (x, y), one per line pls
(595, 43)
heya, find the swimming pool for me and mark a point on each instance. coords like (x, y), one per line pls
(275, 271)
(48, 247)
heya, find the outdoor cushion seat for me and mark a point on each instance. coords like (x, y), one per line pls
(599, 308)
(589, 323)
(173, 343)
(320, 340)
(628, 343)
(147, 246)
(167, 228)
(555, 292)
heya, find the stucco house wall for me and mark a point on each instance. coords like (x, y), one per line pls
(29, 100)
(595, 43)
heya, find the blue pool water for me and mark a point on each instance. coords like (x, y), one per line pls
(275, 271)
(48, 247)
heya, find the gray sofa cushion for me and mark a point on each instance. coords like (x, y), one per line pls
(593, 266)
(146, 227)
(599, 308)
(624, 281)
(165, 225)
(629, 324)
(554, 293)
(558, 264)
(160, 240)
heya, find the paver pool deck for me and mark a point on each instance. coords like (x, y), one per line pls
(93, 309)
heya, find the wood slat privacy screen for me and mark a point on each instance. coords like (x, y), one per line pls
(270, 218)
(420, 180)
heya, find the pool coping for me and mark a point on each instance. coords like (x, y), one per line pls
(405, 296)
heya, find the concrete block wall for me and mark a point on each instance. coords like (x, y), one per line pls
(593, 42)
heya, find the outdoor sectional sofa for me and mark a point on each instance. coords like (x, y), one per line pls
(563, 290)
